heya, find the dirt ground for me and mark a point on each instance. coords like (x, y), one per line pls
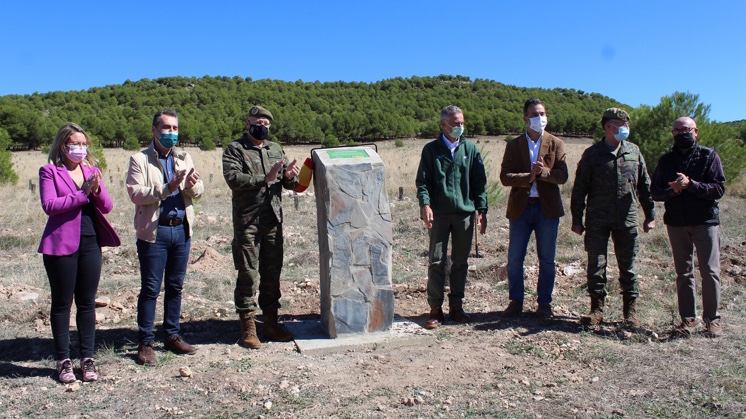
(492, 367)
(524, 367)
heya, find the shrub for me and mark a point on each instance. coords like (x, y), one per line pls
(131, 144)
(7, 174)
(330, 141)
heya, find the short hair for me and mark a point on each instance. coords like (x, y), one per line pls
(448, 111)
(168, 112)
(529, 103)
(56, 150)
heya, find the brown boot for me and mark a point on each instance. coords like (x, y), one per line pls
(630, 311)
(273, 330)
(249, 338)
(596, 316)
(436, 318)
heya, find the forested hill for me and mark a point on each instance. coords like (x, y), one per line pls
(213, 109)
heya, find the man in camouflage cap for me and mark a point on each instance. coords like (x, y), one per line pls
(610, 179)
(256, 170)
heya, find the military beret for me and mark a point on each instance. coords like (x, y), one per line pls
(616, 113)
(259, 112)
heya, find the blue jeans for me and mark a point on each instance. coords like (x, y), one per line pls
(170, 254)
(545, 230)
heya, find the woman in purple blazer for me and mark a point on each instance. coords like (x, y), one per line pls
(74, 198)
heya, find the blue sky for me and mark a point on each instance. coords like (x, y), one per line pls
(633, 51)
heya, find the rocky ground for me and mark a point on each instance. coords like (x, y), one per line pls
(493, 367)
(523, 367)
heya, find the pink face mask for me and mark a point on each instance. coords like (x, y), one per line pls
(76, 153)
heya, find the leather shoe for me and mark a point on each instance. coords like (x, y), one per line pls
(713, 329)
(458, 315)
(146, 354)
(515, 308)
(545, 311)
(177, 345)
(435, 319)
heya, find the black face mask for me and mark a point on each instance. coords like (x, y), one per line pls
(683, 141)
(260, 132)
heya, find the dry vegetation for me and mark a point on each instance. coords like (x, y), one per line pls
(524, 367)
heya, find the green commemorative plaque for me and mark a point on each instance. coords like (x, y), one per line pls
(348, 154)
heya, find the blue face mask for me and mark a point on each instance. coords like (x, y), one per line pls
(622, 134)
(169, 139)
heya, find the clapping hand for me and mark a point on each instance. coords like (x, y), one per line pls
(682, 182)
(92, 184)
(271, 177)
(293, 169)
(179, 176)
(191, 179)
(536, 168)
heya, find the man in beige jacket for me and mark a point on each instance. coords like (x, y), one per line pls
(161, 182)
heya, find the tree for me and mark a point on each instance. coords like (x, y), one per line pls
(651, 130)
(98, 151)
(215, 107)
(7, 174)
(330, 141)
(131, 144)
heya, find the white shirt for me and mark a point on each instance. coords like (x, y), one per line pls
(451, 145)
(533, 152)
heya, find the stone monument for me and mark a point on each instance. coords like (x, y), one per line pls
(355, 240)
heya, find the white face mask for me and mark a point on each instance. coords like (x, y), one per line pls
(537, 123)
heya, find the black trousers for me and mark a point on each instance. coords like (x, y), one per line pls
(77, 276)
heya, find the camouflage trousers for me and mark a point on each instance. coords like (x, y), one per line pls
(625, 247)
(257, 255)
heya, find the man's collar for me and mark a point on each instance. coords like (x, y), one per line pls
(448, 143)
(250, 142)
(528, 137)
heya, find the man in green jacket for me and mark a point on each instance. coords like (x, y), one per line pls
(451, 184)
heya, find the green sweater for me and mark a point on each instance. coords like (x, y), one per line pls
(451, 184)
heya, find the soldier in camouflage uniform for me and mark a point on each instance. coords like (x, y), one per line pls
(610, 180)
(256, 170)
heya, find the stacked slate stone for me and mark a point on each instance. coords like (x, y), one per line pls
(355, 241)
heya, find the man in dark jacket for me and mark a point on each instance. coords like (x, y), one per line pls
(534, 167)
(451, 185)
(690, 180)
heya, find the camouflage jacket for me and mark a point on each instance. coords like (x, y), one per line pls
(244, 168)
(608, 186)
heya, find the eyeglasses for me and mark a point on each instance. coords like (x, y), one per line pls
(683, 130)
(619, 124)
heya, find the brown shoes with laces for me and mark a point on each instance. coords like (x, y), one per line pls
(437, 317)
(177, 345)
(146, 354)
(712, 329)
